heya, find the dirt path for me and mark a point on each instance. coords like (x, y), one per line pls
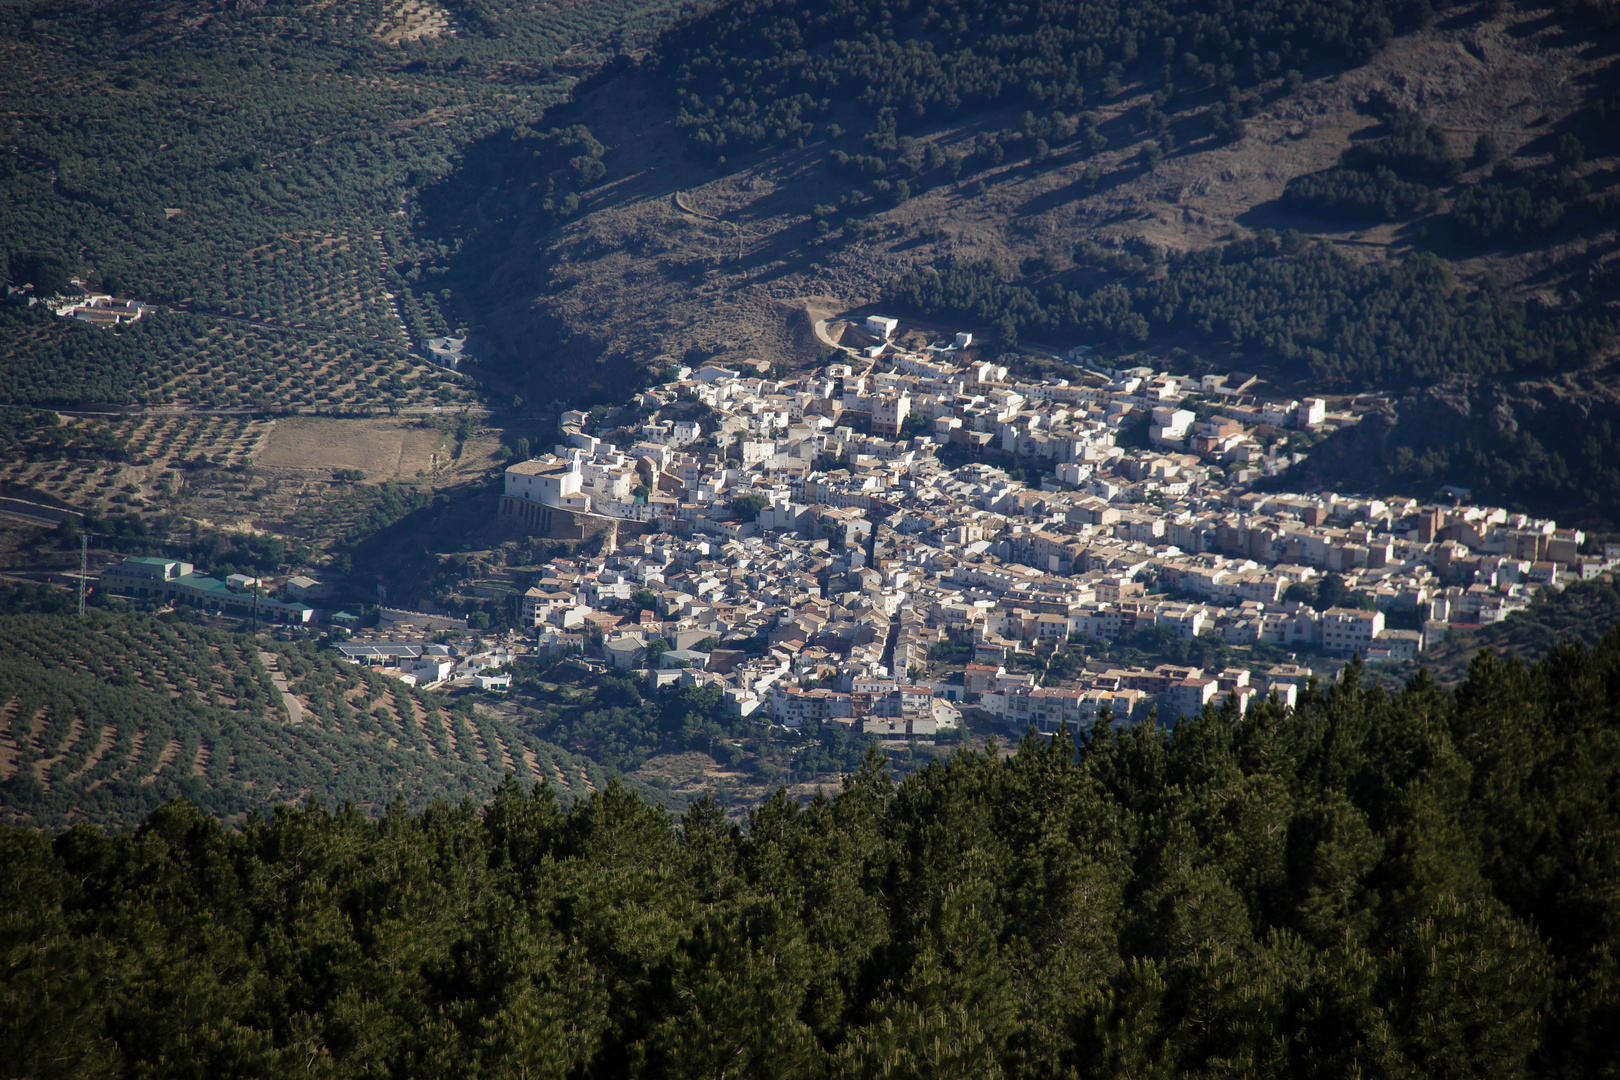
(295, 709)
(736, 230)
(679, 205)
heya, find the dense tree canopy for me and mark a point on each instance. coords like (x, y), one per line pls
(1514, 205)
(508, 186)
(1561, 458)
(1298, 308)
(1382, 177)
(1416, 884)
(1376, 195)
(757, 72)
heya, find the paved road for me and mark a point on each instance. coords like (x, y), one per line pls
(36, 513)
(820, 328)
(61, 579)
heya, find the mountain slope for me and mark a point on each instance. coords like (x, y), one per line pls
(1419, 161)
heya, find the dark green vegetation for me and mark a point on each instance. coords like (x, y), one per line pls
(1065, 662)
(1539, 446)
(1583, 612)
(177, 357)
(249, 159)
(1155, 645)
(1291, 307)
(1514, 205)
(1402, 165)
(521, 178)
(748, 506)
(612, 721)
(1381, 178)
(758, 73)
(1416, 884)
(47, 272)
(485, 231)
(103, 719)
(41, 436)
(1378, 195)
(1329, 592)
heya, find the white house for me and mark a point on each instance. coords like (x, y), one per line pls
(431, 669)
(881, 327)
(714, 373)
(1189, 696)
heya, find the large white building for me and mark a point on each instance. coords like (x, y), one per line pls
(548, 482)
(1347, 630)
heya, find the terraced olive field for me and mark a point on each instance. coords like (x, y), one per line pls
(257, 162)
(118, 465)
(105, 717)
(174, 358)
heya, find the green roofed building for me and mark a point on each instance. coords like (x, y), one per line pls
(171, 579)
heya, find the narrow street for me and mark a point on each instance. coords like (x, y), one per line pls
(889, 644)
(894, 620)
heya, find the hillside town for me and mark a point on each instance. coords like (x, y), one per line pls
(811, 544)
(910, 533)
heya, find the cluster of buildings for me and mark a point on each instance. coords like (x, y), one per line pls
(99, 310)
(398, 650)
(887, 542)
(177, 582)
(812, 543)
(77, 302)
(1127, 693)
(429, 666)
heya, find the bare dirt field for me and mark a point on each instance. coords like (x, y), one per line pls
(383, 449)
(691, 773)
(318, 478)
